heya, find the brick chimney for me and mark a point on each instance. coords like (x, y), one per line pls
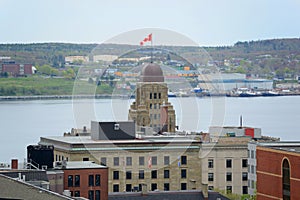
(14, 164)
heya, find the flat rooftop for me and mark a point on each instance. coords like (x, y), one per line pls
(83, 165)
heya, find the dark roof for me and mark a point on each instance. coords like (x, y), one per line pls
(30, 175)
(166, 195)
(152, 72)
(14, 189)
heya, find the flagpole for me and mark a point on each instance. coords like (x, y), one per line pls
(151, 49)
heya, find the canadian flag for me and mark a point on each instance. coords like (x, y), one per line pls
(146, 39)
(149, 162)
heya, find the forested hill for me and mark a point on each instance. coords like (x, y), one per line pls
(54, 53)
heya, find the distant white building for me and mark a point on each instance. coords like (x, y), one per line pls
(104, 58)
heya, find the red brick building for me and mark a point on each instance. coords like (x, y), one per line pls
(86, 179)
(14, 69)
(278, 172)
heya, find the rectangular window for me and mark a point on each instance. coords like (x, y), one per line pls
(141, 174)
(252, 169)
(154, 160)
(97, 195)
(141, 160)
(150, 97)
(210, 187)
(77, 180)
(116, 175)
(183, 173)
(155, 96)
(85, 159)
(244, 176)
(91, 180)
(116, 188)
(229, 189)
(98, 180)
(150, 106)
(91, 194)
(183, 186)
(252, 184)
(128, 174)
(228, 176)
(183, 160)
(70, 181)
(155, 106)
(210, 176)
(210, 163)
(154, 174)
(252, 154)
(245, 189)
(166, 160)
(77, 194)
(128, 161)
(244, 163)
(128, 188)
(103, 161)
(166, 186)
(166, 173)
(228, 163)
(159, 95)
(116, 161)
(153, 186)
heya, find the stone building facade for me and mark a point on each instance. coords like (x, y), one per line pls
(151, 107)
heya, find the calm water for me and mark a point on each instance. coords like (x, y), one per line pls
(24, 122)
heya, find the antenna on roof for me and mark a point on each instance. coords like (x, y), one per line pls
(241, 121)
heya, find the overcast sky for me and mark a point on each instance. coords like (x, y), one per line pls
(207, 22)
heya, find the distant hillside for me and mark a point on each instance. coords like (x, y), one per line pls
(262, 56)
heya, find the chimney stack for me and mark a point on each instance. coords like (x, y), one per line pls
(14, 164)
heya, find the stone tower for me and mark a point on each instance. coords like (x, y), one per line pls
(151, 107)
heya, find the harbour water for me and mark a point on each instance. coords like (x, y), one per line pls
(24, 122)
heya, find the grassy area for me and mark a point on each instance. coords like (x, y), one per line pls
(26, 86)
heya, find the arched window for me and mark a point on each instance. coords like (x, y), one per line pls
(286, 180)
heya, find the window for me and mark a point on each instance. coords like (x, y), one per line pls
(166, 186)
(244, 163)
(85, 159)
(228, 163)
(183, 173)
(116, 188)
(286, 188)
(150, 106)
(155, 116)
(77, 194)
(128, 174)
(210, 163)
(150, 97)
(210, 187)
(252, 169)
(252, 154)
(128, 188)
(166, 173)
(77, 181)
(244, 176)
(155, 106)
(70, 181)
(155, 95)
(91, 180)
(141, 174)
(97, 194)
(183, 160)
(141, 160)
(252, 184)
(116, 161)
(103, 161)
(116, 175)
(91, 195)
(166, 160)
(154, 174)
(154, 160)
(183, 186)
(159, 95)
(245, 189)
(98, 180)
(128, 161)
(228, 176)
(153, 186)
(229, 189)
(210, 176)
